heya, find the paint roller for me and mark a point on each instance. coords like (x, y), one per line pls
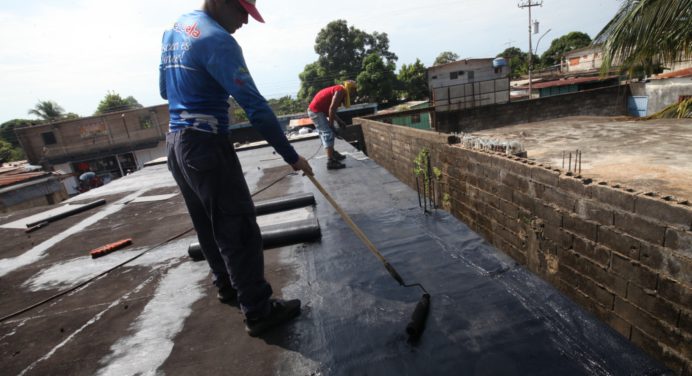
(416, 325)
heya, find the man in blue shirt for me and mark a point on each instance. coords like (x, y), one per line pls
(201, 66)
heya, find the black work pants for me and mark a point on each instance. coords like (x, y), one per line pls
(207, 170)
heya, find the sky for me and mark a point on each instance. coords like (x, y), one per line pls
(74, 52)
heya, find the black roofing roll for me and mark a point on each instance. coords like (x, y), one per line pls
(68, 213)
(284, 203)
(300, 232)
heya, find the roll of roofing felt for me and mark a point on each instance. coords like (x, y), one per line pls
(284, 203)
(299, 232)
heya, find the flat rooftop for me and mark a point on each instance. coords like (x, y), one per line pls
(158, 314)
(645, 155)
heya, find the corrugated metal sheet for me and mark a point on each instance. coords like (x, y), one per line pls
(10, 178)
(675, 74)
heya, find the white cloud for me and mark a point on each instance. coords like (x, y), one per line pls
(73, 52)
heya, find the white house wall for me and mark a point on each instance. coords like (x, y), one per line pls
(663, 93)
(70, 183)
(483, 70)
(146, 155)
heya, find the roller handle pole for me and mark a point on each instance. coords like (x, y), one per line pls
(355, 228)
(415, 327)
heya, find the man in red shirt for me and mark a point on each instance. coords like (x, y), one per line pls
(322, 111)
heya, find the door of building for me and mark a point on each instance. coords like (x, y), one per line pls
(636, 105)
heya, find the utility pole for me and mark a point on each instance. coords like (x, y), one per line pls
(529, 4)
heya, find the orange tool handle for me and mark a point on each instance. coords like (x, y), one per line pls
(108, 248)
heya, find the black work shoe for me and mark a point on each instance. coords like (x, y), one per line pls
(226, 294)
(333, 164)
(338, 156)
(281, 311)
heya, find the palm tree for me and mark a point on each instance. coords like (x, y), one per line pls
(647, 33)
(47, 110)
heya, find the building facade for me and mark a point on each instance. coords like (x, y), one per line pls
(468, 83)
(110, 145)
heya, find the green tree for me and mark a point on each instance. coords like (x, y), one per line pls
(518, 61)
(7, 129)
(287, 105)
(445, 57)
(341, 51)
(9, 153)
(560, 46)
(47, 110)
(413, 81)
(644, 34)
(113, 102)
(377, 81)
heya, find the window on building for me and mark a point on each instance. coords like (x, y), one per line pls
(434, 77)
(470, 75)
(48, 138)
(145, 122)
(453, 75)
(415, 118)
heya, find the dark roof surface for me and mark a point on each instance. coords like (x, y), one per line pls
(159, 313)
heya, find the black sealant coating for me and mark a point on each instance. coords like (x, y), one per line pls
(488, 315)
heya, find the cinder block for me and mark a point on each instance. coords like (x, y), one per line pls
(653, 347)
(612, 196)
(574, 185)
(675, 292)
(621, 326)
(514, 167)
(548, 214)
(633, 271)
(544, 176)
(564, 284)
(639, 227)
(514, 253)
(588, 287)
(580, 227)
(668, 262)
(559, 198)
(480, 158)
(561, 238)
(650, 302)
(596, 253)
(685, 323)
(587, 267)
(511, 210)
(524, 201)
(641, 320)
(509, 237)
(619, 241)
(594, 211)
(679, 240)
(515, 182)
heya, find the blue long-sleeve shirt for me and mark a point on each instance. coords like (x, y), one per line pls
(201, 66)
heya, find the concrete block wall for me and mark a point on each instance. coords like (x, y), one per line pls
(609, 101)
(623, 255)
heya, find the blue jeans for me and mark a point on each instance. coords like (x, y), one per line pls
(322, 125)
(208, 173)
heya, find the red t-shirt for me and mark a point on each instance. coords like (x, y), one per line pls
(323, 99)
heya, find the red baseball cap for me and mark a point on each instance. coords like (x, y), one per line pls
(249, 6)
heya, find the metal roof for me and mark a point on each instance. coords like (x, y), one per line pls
(565, 82)
(674, 74)
(11, 178)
